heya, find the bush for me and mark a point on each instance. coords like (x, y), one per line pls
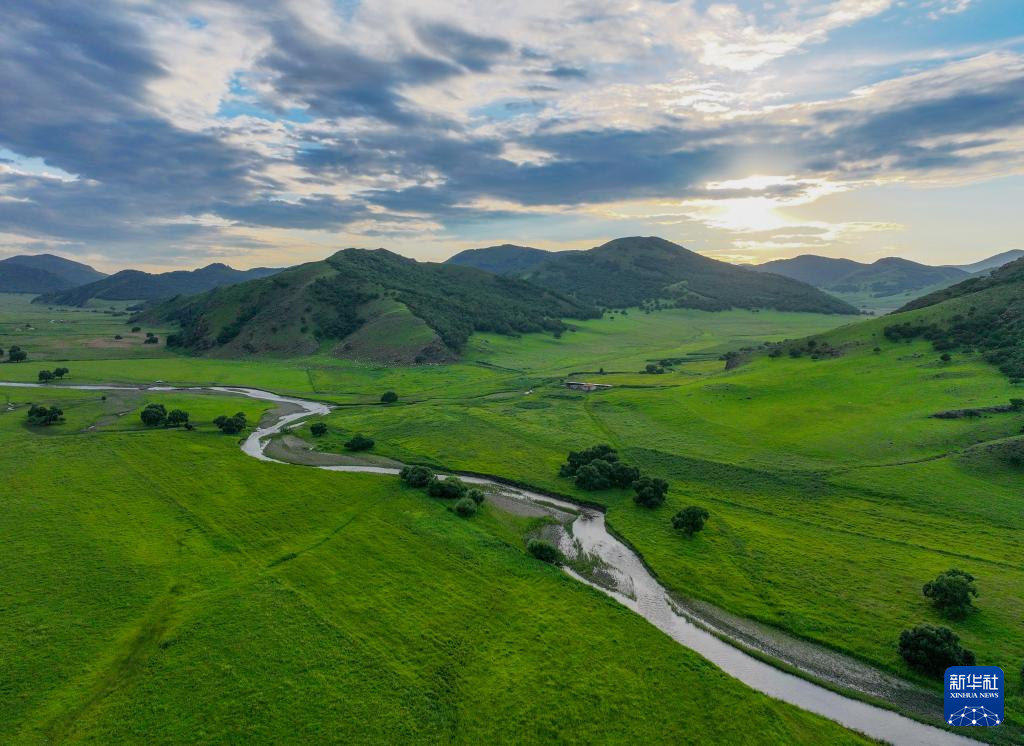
(931, 650)
(177, 417)
(153, 415)
(416, 476)
(690, 520)
(60, 372)
(650, 491)
(44, 416)
(151, 340)
(359, 442)
(389, 397)
(449, 488)
(231, 425)
(318, 429)
(136, 329)
(475, 495)
(466, 507)
(578, 459)
(45, 376)
(544, 550)
(16, 355)
(951, 592)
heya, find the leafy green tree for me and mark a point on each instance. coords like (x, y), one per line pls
(318, 429)
(177, 418)
(951, 592)
(650, 491)
(449, 488)
(389, 397)
(622, 475)
(16, 355)
(151, 339)
(359, 442)
(466, 507)
(136, 329)
(416, 476)
(544, 550)
(42, 416)
(594, 476)
(231, 425)
(475, 495)
(931, 650)
(153, 415)
(581, 458)
(45, 376)
(690, 520)
(1, 351)
(60, 372)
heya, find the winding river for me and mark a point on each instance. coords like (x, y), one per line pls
(626, 579)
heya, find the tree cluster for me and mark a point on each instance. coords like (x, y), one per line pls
(599, 468)
(155, 415)
(15, 354)
(231, 425)
(468, 498)
(45, 376)
(151, 339)
(359, 442)
(543, 550)
(43, 416)
(931, 650)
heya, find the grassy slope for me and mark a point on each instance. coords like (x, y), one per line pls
(162, 587)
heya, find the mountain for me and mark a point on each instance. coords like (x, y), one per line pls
(983, 313)
(131, 284)
(633, 271)
(364, 304)
(883, 278)
(507, 259)
(993, 262)
(43, 273)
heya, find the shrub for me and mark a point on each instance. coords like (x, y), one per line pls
(136, 329)
(449, 488)
(579, 459)
(318, 429)
(60, 372)
(650, 491)
(16, 355)
(466, 507)
(44, 416)
(416, 476)
(690, 520)
(359, 442)
(151, 340)
(231, 425)
(45, 376)
(153, 415)
(951, 592)
(389, 397)
(544, 550)
(931, 650)
(177, 417)
(475, 495)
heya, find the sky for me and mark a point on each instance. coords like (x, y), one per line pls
(172, 134)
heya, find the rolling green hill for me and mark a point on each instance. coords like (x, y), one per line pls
(363, 304)
(880, 279)
(131, 284)
(506, 259)
(43, 273)
(638, 270)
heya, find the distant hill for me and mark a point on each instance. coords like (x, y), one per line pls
(507, 259)
(366, 305)
(633, 271)
(883, 278)
(131, 284)
(993, 262)
(43, 273)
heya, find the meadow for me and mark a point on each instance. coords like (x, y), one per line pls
(162, 587)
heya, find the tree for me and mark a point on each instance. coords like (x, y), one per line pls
(594, 476)
(151, 339)
(449, 488)
(466, 507)
(1, 351)
(359, 442)
(690, 520)
(945, 357)
(16, 355)
(543, 550)
(416, 476)
(177, 417)
(951, 592)
(581, 458)
(650, 491)
(43, 416)
(136, 329)
(623, 475)
(318, 429)
(389, 397)
(475, 495)
(153, 415)
(931, 650)
(60, 372)
(45, 376)
(231, 425)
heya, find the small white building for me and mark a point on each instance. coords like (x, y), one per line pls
(586, 386)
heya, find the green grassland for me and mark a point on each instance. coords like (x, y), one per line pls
(161, 587)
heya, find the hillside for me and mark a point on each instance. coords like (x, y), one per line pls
(506, 259)
(633, 271)
(365, 304)
(131, 284)
(993, 262)
(883, 278)
(43, 273)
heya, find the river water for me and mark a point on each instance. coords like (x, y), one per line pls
(628, 581)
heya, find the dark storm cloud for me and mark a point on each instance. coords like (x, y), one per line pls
(473, 52)
(566, 72)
